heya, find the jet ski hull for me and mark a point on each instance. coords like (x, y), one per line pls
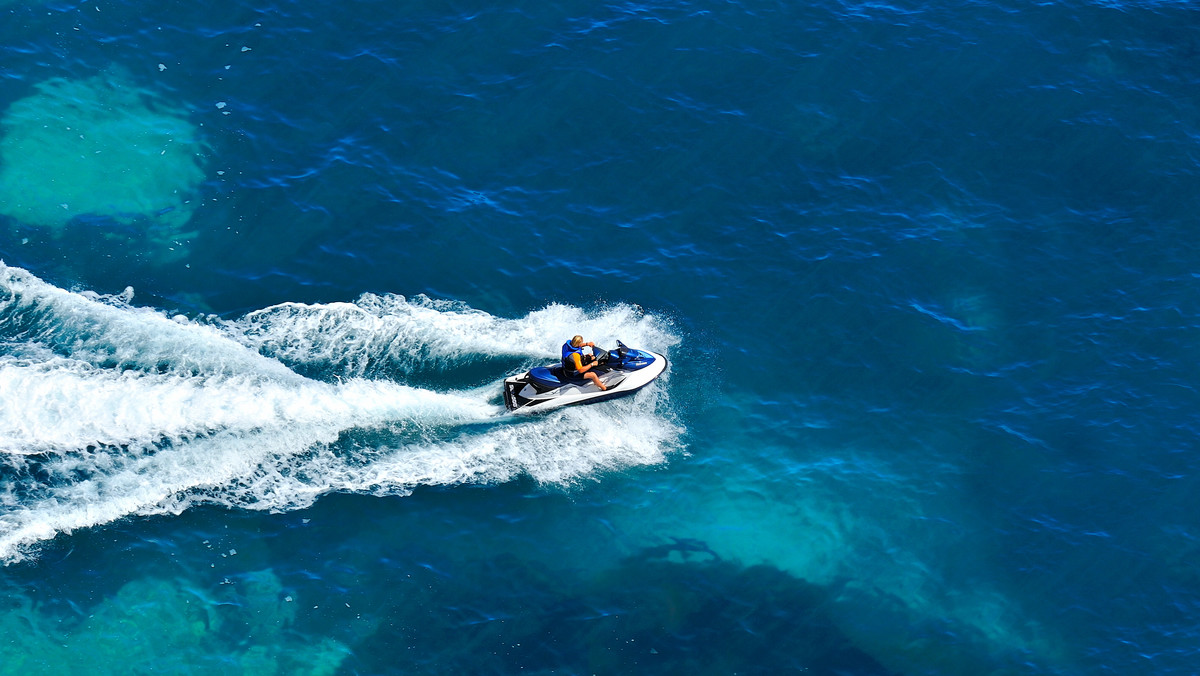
(529, 393)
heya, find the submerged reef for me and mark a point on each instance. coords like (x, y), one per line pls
(166, 626)
(100, 150)
(648, 615)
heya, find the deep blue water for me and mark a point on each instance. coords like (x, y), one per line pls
(926, 274)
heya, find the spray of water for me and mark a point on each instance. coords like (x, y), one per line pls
(109, 410)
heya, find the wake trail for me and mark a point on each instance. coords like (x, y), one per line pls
(108, 410)
(61, 405)
(409, 334)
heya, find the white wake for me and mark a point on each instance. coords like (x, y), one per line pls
(109, 410)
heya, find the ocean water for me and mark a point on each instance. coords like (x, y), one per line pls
(926, 275)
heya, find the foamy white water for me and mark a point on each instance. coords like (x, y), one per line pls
(64, 405)
(106, 330)
(424, 332)
(126, 411)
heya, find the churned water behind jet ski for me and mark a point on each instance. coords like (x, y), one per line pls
(623, 371)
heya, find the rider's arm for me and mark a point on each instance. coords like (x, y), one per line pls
(579, 363)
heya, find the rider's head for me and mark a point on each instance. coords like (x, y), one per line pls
(577, 341)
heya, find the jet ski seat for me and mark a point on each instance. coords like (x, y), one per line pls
(551, 377)
(544, 377)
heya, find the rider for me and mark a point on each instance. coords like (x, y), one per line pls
(572, 359)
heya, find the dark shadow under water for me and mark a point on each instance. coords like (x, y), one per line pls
(647, 615)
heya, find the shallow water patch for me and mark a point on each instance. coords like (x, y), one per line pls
(100, 152)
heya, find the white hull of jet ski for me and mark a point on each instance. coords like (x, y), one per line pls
(527, 394)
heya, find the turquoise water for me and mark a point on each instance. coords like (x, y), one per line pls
(925, 274)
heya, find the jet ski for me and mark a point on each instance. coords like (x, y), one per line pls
(623, 371)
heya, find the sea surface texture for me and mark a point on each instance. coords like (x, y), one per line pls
(927, 275)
